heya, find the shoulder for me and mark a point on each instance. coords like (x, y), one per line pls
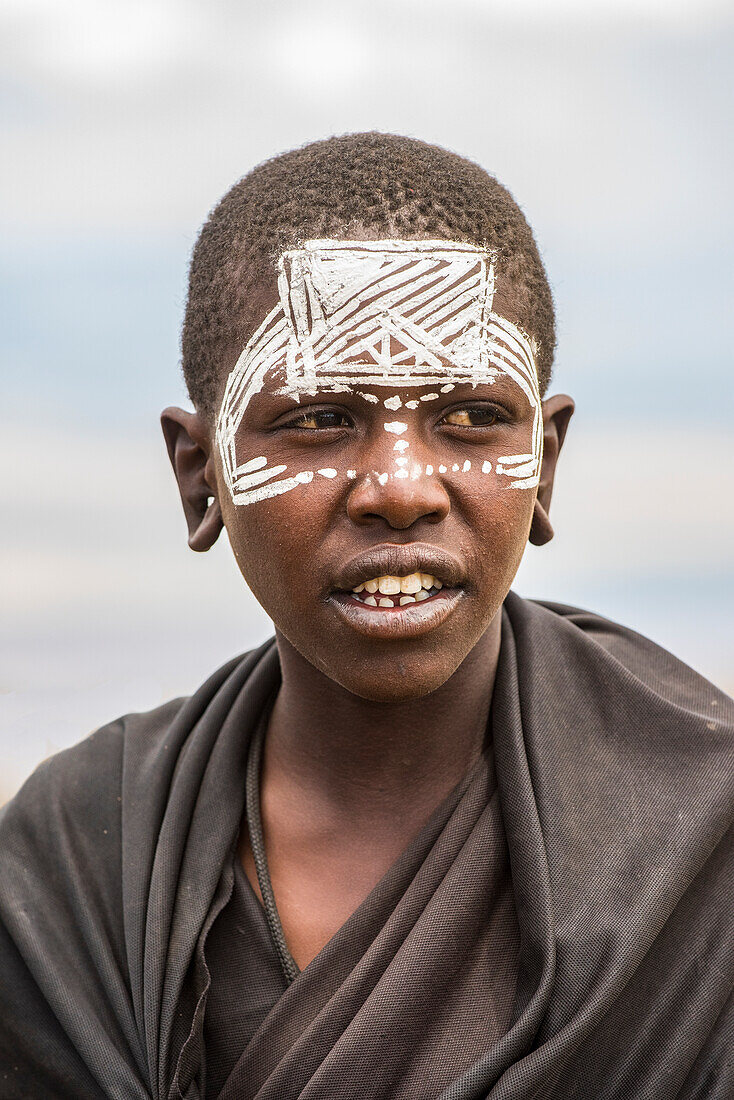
(83, 782)
(80, 790)
(610, 654)
(61, 835)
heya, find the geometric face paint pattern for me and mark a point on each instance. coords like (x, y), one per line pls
(391, 313)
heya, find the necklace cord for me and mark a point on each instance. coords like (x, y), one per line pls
(254, 827)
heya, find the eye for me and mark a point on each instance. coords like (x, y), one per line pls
(314, 419)
(473, 416)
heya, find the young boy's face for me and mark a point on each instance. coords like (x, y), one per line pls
(378, 452)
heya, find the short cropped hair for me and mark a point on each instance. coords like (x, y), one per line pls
(395, 186)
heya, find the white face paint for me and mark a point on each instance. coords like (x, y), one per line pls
(377, 313)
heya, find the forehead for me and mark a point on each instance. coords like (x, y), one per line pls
(379, 313)
(388, 312)
(385, 312)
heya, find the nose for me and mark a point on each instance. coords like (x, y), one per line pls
(399, 496)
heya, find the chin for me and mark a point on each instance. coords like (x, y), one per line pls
(393, 682)
(381, 670)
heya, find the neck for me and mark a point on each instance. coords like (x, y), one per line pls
(367, 761)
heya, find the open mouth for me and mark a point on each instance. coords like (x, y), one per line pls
(388, 592)
(393, 607)
(394, 591)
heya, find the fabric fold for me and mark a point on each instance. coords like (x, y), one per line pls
(607, 799)
(378, 994)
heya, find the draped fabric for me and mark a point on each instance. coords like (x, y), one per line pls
(247, 980)
(611, 781)
(412, 988)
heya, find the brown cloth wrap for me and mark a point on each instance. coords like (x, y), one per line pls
(422, 975)
(615, 781)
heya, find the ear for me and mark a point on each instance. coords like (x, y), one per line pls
(189, 449)
(557, 411)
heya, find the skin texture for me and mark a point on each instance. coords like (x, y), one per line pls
(374, 724)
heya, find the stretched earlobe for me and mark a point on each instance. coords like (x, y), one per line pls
(557, 412)
(187, 440)
(208, 530)
(541, 528)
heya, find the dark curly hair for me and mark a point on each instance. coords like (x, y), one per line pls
(391, 185)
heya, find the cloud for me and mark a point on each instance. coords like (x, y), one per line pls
(666, 13)
(139, 115)
(86, 42)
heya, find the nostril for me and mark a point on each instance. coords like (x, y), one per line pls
(398, 499)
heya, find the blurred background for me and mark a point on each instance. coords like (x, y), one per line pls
(124, 122)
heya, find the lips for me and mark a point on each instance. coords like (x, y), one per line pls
(400, 561)
(398, 615)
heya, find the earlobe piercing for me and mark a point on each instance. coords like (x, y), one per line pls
(541, 529)
(208, 527)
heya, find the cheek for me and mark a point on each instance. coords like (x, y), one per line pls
(499, 518)
(269, 538)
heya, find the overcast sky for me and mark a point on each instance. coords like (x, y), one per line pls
(123, 123)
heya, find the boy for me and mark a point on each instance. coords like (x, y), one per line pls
(435, 840)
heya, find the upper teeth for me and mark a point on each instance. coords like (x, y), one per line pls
(412, 585)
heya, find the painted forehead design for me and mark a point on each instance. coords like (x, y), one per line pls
(376, 313)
